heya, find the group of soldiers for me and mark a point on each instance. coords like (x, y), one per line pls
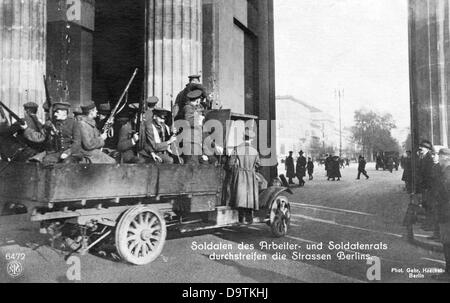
(81, 138)
(433, 188)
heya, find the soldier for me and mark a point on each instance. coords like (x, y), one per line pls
(443, 209)
(182, 98)
(242, 182)
(129, 139)
(60, 135)
(159, 137)
(92, 141)
(33, 126)
(104, 110)
(310, 167)
(290, 168)
(151, 105)
(426, 180)
(362, 168)
(301, 168)
(12, 148)
(193, 114)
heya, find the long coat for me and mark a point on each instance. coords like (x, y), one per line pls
(91, 142)
(242, 182)
(301, 167)
(334, 171)
(443, 203)
(290, 168)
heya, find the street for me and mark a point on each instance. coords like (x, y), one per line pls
(364, 213)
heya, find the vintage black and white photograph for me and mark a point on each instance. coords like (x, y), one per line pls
(224, 141)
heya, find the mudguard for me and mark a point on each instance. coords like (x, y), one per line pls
(267, 196)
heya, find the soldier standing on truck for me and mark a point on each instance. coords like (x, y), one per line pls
(92, 141)
(183, 99)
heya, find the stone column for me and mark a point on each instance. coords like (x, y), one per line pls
(174, 46)
(69, 49)
(22, 52)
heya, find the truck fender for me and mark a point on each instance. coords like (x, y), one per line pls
(268, 196)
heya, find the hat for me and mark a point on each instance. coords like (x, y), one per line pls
(61, 105)
(152, 100)
(30, 105)
(161, 112)
(301, 152)
(444, 152)
(104, 108)
(194, 77)
(194, 95)
(77, 111)
(291, 152)
(426, 144)
(87, 108)
(134, 107)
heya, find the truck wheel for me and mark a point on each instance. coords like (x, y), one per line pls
(140, 235)
(280, 216)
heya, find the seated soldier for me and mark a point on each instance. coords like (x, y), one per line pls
(33, 126)
(129, 138)
(92, 141)
(60, 136)
(159, 138)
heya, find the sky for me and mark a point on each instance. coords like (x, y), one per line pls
(359, 46)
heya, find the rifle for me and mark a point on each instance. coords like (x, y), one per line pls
(48, 100)
(140, 126)
(108, 128)
(173, 125)
(12, 114)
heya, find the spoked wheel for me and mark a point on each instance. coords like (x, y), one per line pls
(140, 235)
(280, 216)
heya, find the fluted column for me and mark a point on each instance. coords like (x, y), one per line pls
(174, 46)
(22, 52)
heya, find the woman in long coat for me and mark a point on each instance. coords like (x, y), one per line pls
(290, 168)
(243, 189)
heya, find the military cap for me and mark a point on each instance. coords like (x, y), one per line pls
(104, 108)
(426, 144)
(134, 106)
(194, 77)
(88, 107)
(30, 105)
(300, 152)
(77, 111)
(61, 105)
(444, 152)
(161, 112)
(194, 95)
(152, 100)
(291, 152)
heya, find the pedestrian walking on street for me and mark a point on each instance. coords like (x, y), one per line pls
(425, 182)
(290, 168)
(362, 168)
(334, 171)
(310, 167)
(407, 172)
(301, 168)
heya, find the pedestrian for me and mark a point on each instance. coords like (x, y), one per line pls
(328, 161)
(290, 167)
(362, 168)
(425, 182)
(407, 171)
(301, 168)
(390, 164)
(443, 207)
(310, 167)
(335, 171)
